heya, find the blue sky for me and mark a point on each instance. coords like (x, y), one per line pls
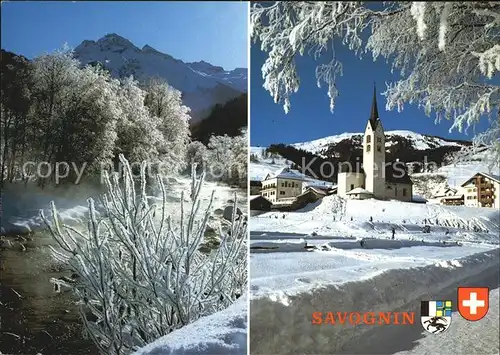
(310, 117)
(191, 31)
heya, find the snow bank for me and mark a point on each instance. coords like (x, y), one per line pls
(224, 332)
(281, 324)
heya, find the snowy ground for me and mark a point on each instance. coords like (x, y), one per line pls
(337, 273)
(224, 332)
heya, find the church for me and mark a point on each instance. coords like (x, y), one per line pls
(374, 178)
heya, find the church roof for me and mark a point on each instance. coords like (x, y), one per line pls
(374, 117)
(286, 173)
(359, 190)
(396, 173)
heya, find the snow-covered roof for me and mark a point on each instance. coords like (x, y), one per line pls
(318, 191)
(454, 197)
(359, 190)
(320, 184)
(286, 173)
(487, 175)
(253, 197)
(491, 176)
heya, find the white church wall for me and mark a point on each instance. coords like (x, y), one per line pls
(348, 181)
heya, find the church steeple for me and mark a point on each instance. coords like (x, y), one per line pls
(374, 117)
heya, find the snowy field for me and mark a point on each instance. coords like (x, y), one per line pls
(313, 260)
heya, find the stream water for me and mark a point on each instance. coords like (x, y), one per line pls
(34, 319)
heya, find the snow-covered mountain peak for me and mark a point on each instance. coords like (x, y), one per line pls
(202, 84)
(113, 39)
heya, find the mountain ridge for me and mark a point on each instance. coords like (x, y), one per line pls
(202, 84)
(415, 149)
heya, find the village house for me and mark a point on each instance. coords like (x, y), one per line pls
(482, 190)
(283, 187)
(375, 178)
(449, 196)
(260, 203)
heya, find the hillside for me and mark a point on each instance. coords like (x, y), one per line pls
(203, 85)
(420, 142)
(228, 118)
(406, 146)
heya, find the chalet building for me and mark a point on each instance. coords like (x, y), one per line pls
(482, 190)
(450, 196)
(375, 178)
(283, 187)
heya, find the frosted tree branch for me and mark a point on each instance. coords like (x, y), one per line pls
(143, 277)
(447, 53)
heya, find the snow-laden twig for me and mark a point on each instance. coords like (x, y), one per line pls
(142, 277)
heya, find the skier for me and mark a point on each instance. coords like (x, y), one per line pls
(447, 231)
(371, 219)
(393, 232)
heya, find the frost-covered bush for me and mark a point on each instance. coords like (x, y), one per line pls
(141, 274)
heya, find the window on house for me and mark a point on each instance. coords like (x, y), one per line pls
(404, 192)
(379, 140)
(379, 149)
(282, 192)
(395, 191)
(368, 139)
(368, 148)
(282, 184)
(352, 186)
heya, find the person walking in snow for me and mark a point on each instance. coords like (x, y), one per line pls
(393, 232)
(371, 219)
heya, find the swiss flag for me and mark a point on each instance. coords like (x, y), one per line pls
(473, 302)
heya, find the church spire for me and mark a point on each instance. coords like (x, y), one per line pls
(374, 114)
